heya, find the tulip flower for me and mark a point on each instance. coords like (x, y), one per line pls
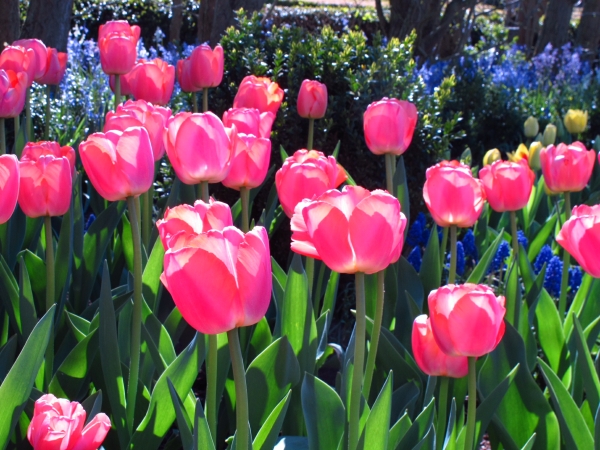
(198, 147)
(235, 289)
(117, 43)
(491, 156)
(507, 184)
(19, 59)
(549, 136)
(13, 88)
(249, 163)
(534, 155)
(249, 121)
(152, 81)
(520, 153)
(306, 174)
(531, 127)
(40, 59)
(123, 81)
(576, 121)
(312, 100)
(452, 195)
(260, 93)
(140, 113)
(466, 320)
(428, 355)
(580, 236)
(389, 125)
(9, 186)
(567, 168)
(59, 424)
(56, 65)
(206, 66)
(184, 76)
(119, 164)
(351, 231)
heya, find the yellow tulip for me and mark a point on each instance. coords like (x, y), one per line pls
(491, 156)
(534, 155)
(549, 136)
(532, 127)
(575, 121)
(519, 153)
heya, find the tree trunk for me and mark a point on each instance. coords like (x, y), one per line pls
(10, 22)
(50, 21)
(556, 24)
(176, 21)
(588, 32)
(206, 17)
(528, 16)
(224, 15)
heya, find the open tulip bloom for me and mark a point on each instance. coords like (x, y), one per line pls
(117, 43)
(260, 93)
(580, 236)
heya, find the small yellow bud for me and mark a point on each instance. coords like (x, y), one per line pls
(575, 121)
(532, 127)
(519, 153)
(534, 155)
(549, 136)
(491, 156)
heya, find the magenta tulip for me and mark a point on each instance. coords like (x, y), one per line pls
(117, 43)
(260, 93)
(13, 89)
(567, 168)
(312, 100)
(40, 52)
(507, 184)
(389, 125)
(249, 161)
(580, 236)
(152, 81)
(56, 66)
(207, 66)
(9, 186)
(19, 59)
(249, 121)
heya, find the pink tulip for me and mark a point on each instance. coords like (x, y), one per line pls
(428, 355)
(354, 230)
(249, 121)
(260, 93)
(194, 219)
(184, 76)
(567, 168)
(9, 186)
(452, 195)
(40, 55)
(467, 319)
(117, 43)
(507, 184)
(198, 147)
(123, 81)
(235, 287)
(46, 179)
(389, 125)
(119, 164)
(580, 236)
(58, 424)
(207, 66)
(312, 100)
(19, 59)
(56, 66)
(13, 89)
(152, 81)
(140, 113)
(249, 161)
(306, 174)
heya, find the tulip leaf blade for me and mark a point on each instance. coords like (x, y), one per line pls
(398, 431)
(202, 439)
(26, 302)
(152, 285)
(541, 237)
(64, 256)
(591, 384)
(183, 421)
(267, 435)
(431, 269)
(9, 292)
(17, 385)
(401, 190)
(377, 429)
(7, 356)
(419, 428)
(481, 268)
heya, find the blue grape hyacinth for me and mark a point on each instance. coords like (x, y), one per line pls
(502, 253)
(553, 276)
(522, 239)
(543, 257)
(415, 258)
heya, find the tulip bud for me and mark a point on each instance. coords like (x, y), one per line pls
(575, 121)
(491, 156)
(532, 127)
(549, 136)
(312, 100)
(520, 153)
(534, 155)
(507, 184)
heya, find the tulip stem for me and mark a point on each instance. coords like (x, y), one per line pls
(47, 129)
(50, 289)
(146, 220)
(515, 236)
(245, 200)
(3, 137)
(444, 245)
(472, 405)
(17, 122)
(204, 99)
(117, 91)
(211, 385)
(136, 318)
(310, 275)
(564, 284)
(442, 406)
(377, 320)
(28, 124)
(452, 273)
(203, 193)
(194, 102)
(359, 358)
(311, 134)
(241, 392)
(389, 173)
(317, 301)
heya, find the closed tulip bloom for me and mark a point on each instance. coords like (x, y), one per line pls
(534, 155)
(576, 121)
(119, 164)
(249, 121)
(9, 186)
(198, 147)
(389, 125)
(235, 287)
(428, 355)
(507, 184)
(467, 319)
(152, 81)
(184, 76)
(58, 424)
(13, 89)
(351, 231)
(491, 156)
(40, 52)
(580, 236)
(306, 174)
(260, 93)
(207, 66)
(549, 136)
(194, 219)
(567, 168)
(117, 43)
(33, 150)
(531, 127)
(19, 59)
(140, 113)
(250, 156)
(56, 66)
(452, 195)
(123, 82)
(312, 100)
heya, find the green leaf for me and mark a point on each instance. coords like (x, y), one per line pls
(398, 431)
(481, 269)
(64, 255)
(529, 444)
(541, 238)
(585, 365)
(17, 385)
(9, 292)
(419, 428)
(282, 153)
(401, 186)
(331, 292)
(574, 430)
(183, 421)
(269, 432)
(324, 414)
(431, 269)
(377, 429)
(79, 326)
(92, 405)
(151, 277)
(202, 438)
(35, 264)
(7, 356)
(26, 302)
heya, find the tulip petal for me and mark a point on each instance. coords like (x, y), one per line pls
(94, 433)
